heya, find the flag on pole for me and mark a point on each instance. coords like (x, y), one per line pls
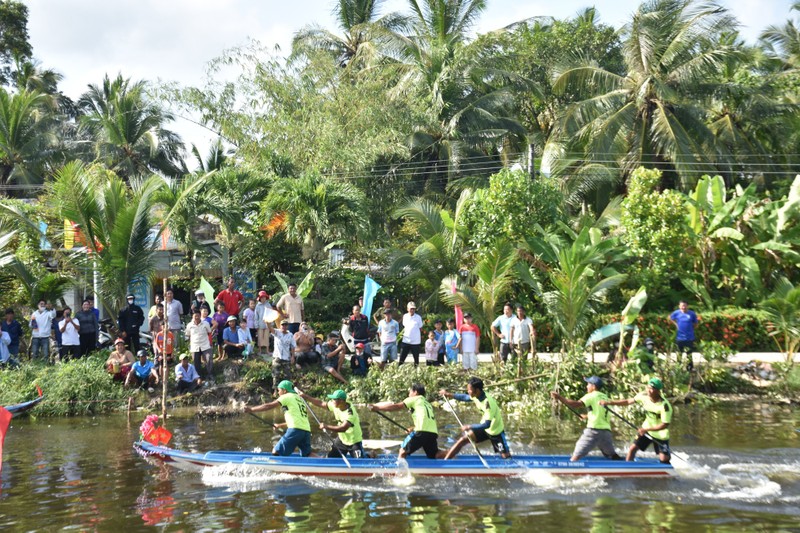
(69, 235)
(458, 311)
(44, 244)
(207, 289)
(371, 289)
(5, 419)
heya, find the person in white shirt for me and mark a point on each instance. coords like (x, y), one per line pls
(197, 332)
(388, 329)
(264, 328)
(173, 310)
(283, 356)
(70, 335)
(41, 326)
(412, 334)
(523, 337)
(501, 328)
(470, 343)
(245, 338)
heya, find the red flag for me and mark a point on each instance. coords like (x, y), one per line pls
(459, 312)
(5, 420)
(38, 388)
(163, 435)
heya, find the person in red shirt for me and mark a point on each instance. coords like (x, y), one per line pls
(470, 343)
(231, 298)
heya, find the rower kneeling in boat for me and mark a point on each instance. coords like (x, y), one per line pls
(491, 426)
(425, 433)
(598, 425)
(348, 439)
(298, 434)
(658, 415)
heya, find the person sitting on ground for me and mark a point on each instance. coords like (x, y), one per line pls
(452, 342)
(598, 426)
(425, 433)
(304, 354)
(333, 357)
(230, 338)
(245, 338)
(431, 350)
(360, 361)
(348, 439)
(298, 434)
(658, 416)
(490, 427)
(186, 376)
(143, 373)
(120, 361)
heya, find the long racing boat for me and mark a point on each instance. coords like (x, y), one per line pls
(387, 465)
(22, 408)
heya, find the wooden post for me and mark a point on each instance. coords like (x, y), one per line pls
(165, 330)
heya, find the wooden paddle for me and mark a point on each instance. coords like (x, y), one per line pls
(333, 442)
(634, 426)
(398, 424)
(466, 433)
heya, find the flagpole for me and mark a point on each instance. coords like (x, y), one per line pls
(164, 330)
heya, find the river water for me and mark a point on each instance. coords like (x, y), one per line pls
(82, 474)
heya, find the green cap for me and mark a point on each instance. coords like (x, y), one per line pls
(338, 395)
(656, 383)
(286, 385)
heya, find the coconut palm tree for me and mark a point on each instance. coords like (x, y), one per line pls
(315, 211)
(783, 42)
(362, 28)
(655, 114)
(27, 140)
(469, 101)
(442, 251)
(128, 131)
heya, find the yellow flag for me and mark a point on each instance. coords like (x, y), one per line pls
(69, 235)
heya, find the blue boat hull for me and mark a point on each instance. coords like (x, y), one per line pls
(418, 465)
(24, 407)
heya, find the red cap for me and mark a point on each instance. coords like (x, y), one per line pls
(360, 345)
(263, 293)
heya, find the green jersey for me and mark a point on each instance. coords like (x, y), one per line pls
(655, 413)
(598, 416)
(294, 411)
(353, 434)
(491, 412)
(422, 414)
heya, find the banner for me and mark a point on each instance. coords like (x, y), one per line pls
(208, 290)
(44, 244)
(371, 289)
(69, 235)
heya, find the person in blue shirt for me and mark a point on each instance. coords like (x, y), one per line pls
(685, 320)
(452, 341)
(230, 339)
(142, 373)
(14, 330)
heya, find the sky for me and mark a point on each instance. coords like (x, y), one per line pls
(173, 40)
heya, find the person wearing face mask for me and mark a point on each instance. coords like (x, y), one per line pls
(130, 319)
(41, 325)
(200, 302)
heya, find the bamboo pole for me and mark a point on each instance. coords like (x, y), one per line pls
(164, 330)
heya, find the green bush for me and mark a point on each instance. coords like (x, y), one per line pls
(78, 387)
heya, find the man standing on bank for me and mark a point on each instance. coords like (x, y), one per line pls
(130, 319)
(412, 334)
(685, 320)
(598, 425)
(292, 308)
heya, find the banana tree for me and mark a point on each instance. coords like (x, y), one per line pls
(783, 312)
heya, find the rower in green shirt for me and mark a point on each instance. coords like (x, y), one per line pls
(491, 426)
(348, 440)
(657, 418)
(598, 426)
(425, 432)
(298, 434)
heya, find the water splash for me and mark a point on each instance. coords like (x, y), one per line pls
(563, 484)
(240, 477)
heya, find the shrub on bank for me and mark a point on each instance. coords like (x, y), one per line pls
(77, 387)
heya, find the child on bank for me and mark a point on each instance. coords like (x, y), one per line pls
(431, 350)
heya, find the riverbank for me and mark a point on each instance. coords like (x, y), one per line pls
(83, 387)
